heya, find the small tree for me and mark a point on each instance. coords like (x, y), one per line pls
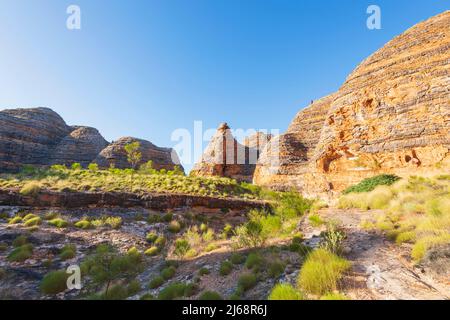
(133, 153)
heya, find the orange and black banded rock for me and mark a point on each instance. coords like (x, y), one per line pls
(40, 137)
(392, 115)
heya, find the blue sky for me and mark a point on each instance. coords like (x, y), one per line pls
(145, 68)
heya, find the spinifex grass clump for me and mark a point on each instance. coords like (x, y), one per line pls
(54, 282)
(321, 272)
(283, 291)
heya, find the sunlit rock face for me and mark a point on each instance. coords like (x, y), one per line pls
(392, 115)
(116, 156)
(40, 137)
(226, 157)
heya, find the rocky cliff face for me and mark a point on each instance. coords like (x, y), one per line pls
(286, 158)
(114, 154)
(226, 157)
(392, 115)
(39, 136)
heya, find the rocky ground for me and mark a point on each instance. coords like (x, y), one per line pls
(381, 269)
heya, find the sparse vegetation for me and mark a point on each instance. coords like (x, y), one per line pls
(247, 281)
(321, 272)
(156, 282)
(225, 268)
(58, 223)
(210, 295)
(284, 291)
(68, 252)
(370, 184)
(21, 253)
(54, 282)
(152, 251)
(168, 273)
(417, 211)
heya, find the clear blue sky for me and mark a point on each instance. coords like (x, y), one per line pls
(145, 68)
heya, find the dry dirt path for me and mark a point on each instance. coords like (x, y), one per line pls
(381, 269)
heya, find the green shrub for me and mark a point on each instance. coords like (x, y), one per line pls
(76, 166)
(133, 287)
(153, 218)
(285, 292)
(160, 242)
(254, 261)
(321, 272)
(291, 204)
(156, 282)
(151, 237)
(93, 167)
(152, 251)
(315, 220)
(15, 220)
(203, 271)
(276, 268)
(116, 292)
(174, 226)
(33, 222)
(147, 296)
(210, 295)
(167, 217)
(332, 239)
(247, 281)
(237, 258)
(172, 291)
(168, 273)
(30, 189)
(68, 252)
(113, 222)
(83, 224)
(29, 216)
(182, 247)
(21, 253)
(225, 268)
(227, 231)
(58, 223)
(20, 241)
(370, 184)
(54, 282)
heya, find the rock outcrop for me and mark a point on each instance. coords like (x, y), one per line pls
(40, 137)
(226, 157)
(115, 155)
(286, 158)
(392, 115)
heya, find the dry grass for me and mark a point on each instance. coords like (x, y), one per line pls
(417, 212)
(60, 178)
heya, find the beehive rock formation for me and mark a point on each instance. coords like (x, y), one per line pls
(40, 137)
(226, 157)
(115, 155)
(286, 158)
(392, 115)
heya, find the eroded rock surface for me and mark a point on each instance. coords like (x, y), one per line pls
(40, 137)
(114, 154)
(392, 115)
(226, 157)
